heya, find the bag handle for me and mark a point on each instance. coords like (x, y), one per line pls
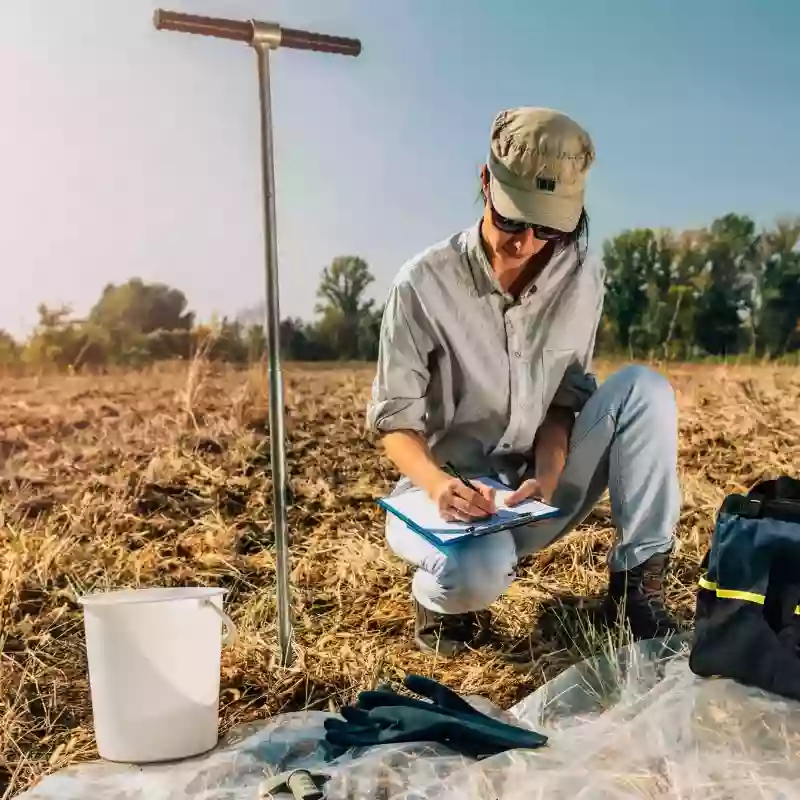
(783, 488)
(777, 499)
(739, 505)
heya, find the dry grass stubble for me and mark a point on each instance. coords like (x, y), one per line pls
(163, 479)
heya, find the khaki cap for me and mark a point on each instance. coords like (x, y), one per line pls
(538, 162)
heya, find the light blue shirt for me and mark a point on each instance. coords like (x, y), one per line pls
(473, 369)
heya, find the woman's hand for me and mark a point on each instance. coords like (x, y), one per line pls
(458, 503)
(541, 488)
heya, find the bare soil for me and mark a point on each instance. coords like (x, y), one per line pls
(163, 478)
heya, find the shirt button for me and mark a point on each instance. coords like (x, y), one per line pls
(518, 354)
(506, 446)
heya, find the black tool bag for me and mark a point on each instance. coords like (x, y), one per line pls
(747, 622)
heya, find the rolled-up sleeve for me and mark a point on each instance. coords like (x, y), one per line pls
(579, 383)
(398, 400)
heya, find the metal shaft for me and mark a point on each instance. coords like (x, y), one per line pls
(263, 37)
(272, 319)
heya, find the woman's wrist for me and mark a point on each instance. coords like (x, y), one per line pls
(410, 454)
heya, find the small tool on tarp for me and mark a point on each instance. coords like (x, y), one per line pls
(301, 783)
(386, 717)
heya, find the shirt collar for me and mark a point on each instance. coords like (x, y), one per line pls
(481, 269)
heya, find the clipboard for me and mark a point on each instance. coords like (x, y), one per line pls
(420, 514)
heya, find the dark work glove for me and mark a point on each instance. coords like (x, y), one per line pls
(384, 717)
(441, 698)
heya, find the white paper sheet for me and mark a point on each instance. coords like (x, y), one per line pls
(416, 506)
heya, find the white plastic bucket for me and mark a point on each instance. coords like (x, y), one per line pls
(154, 665)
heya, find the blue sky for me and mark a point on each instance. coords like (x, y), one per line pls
(125, 151)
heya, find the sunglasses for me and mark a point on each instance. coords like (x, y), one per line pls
(515, 227)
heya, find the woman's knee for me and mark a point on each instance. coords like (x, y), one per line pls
(645, 385)
(469, 577)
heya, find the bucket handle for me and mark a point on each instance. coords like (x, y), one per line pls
(231, 634)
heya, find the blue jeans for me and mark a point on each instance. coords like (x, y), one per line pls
(625, 440)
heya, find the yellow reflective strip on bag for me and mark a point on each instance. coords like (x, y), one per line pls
(709, 585)
(736, 594)
(732, 594)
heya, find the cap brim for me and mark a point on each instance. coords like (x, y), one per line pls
(538, 208)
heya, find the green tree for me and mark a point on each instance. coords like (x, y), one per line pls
(138, 307)
(724, 315)
(689, 280)
(344, 307)
(131, 316)
(777, 303)
(638, 279)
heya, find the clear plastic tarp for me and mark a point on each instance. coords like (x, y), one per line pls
(637, 724)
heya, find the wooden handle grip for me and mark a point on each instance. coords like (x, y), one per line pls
(322, 43)
(240, 31)
(204, 26)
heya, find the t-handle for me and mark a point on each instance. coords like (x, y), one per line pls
(242, 31)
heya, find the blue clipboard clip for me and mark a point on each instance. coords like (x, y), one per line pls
(521, 519)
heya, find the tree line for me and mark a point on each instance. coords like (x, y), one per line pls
(726, 290)
(137, 323)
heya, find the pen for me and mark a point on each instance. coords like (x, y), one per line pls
(457, 474)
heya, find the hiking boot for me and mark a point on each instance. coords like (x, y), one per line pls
(637, 595)
(448, 635)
